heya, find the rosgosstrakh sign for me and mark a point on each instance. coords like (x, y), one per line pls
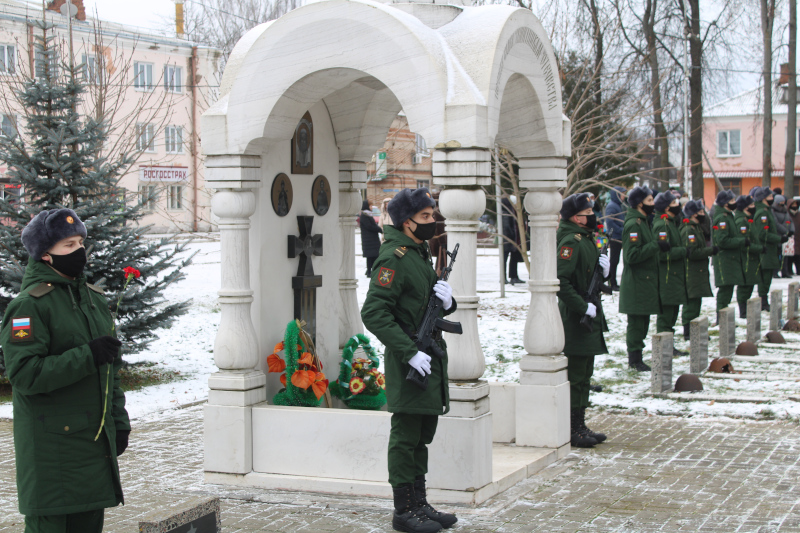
(163, 173)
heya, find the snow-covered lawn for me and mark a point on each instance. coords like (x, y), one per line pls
(187, 348)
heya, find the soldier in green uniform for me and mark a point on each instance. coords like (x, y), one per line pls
(69, 427)
(671, 262)
(638, 293)
(698, 285)
(728, 262)
(577, 257)
(751, 255)
(402, 280)
(764, 236)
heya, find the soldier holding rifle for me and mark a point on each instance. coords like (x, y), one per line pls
(579, 260)
(402, 281)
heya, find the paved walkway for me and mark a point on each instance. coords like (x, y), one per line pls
(654, 474)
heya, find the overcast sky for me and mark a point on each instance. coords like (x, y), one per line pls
(145, 13)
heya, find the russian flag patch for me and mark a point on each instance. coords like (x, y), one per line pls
(21, 329)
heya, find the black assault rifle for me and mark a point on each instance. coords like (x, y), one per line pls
(431, 326)
(596, 286)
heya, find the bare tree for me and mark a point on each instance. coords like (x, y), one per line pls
(791, 128)
(767, 26)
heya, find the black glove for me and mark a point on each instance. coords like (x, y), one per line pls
(664, 245)
(784, 238)
(747, 241)
(122, 440)
(104, 349)
(714, 250)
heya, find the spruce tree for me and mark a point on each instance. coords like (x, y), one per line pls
(57, 154)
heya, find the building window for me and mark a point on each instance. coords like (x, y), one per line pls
(148, 197)
(729, 143)
(421, 146)
(9, 128)
(423, 183)
(173, 139)
(142, 76)
(176, 196)
(92, 69)
(172, 79)
(732, 184)
(145, 137)
(7, 58)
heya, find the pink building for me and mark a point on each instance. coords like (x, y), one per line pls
(732, 139)
(173, 79)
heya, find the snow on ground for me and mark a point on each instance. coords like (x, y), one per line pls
(187, 348)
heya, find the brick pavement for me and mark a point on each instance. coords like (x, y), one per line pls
(654, 474)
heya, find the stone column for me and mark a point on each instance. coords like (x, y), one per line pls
(352, 179)
(543, 371)
(466, 431)
(661, 360)
(238, 385)
(754, 319)
(792, 301)
(698, 347)
(775, 310)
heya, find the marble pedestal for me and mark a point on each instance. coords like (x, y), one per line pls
(698, 348)
(754, 319)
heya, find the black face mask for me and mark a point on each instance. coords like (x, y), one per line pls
(731, 207)
(648, 209)
(424, 232)
(750, 211)
(71, 264)
(675, 210)
(770, 202)
(701, 218)
(591, 221)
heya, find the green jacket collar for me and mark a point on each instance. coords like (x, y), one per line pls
(566, 227)
(39, 272)
(635, 213)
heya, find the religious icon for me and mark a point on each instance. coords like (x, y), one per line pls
(281, 195)
(303, 146)
(321, 195)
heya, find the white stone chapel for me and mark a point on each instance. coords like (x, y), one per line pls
(306, 100)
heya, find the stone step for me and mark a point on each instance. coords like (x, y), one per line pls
(765, 376)
(707, 397)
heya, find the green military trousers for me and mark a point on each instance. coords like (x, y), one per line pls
(408, 446)
(724, 296)
(765, 281)
(743, 293)
(691, 310)
(579, 373)
(86, 522)
(637, 331)
(666, 320)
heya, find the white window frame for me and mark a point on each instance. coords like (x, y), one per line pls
(172, 79)
(420, 146)
(142, 76)
(8, 121)
(173, 139)
(175, 197)
(145, 137)
(724, 146)
(92, 69)
(148, 197)
(8, 55)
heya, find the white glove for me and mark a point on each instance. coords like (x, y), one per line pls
(444, 292)
(422, 362)
(605, 262)
(591, 310)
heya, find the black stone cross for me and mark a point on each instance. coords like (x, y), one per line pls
(305, 283)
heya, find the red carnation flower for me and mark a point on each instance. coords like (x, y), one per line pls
(750, 220)
(766, 227)
(664, 215)
(600, 226)
(715, 227)
(130, 271)
(685, 220)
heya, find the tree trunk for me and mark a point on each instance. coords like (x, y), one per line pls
(767, 22)
(662, 144)
(696, 101)
(791, 128)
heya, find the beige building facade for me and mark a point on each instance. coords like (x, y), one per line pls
(159, 85)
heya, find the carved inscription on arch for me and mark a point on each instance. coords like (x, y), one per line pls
(528, 37)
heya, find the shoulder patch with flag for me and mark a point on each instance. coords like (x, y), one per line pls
(763, 218)
(634, 236)
(385, 277)
(723, 224)
(565, 252)
(692, 239)
(21, 329)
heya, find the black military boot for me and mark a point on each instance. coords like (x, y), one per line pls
(687, 332)
(445, 519)
(635, 361)
(677, 353)
(599, 437)
(743, 309)
(579, 436)
(408, 516)
(765, 303)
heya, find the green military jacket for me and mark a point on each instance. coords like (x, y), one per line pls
(750, 255)
(698, 284)
(672, 263)
(638, 290)
(402, 281)
(728, 262)
(577, 257)
(58, 395)
(764, 234)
